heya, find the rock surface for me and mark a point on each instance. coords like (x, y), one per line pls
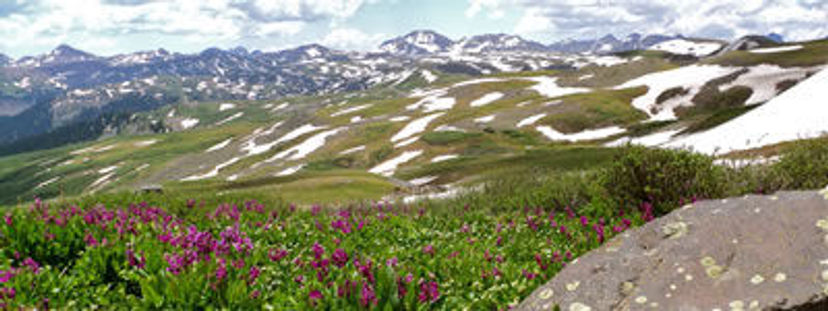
(749, 253)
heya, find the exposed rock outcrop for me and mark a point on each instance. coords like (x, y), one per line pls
(750, 253)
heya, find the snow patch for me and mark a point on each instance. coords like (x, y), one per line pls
(486, 99)
(415, 127)
(226, 106)
(650, 140)
(353, 150)
(145, 143)
(450, 192)
(779, 49)
(231, 118)
(108, 169)
(445, 157)
(189, 123)
(428, 76)
(219, 146)
(350, 110)
(687, 47)
(422, 180)
(306, 147)
(530, 120)
(252, 149)
(93, 149)
(552, 134)
(388, 168)
(214, 172)
(47, 182)
(290, 170)
(407, 142)
(485, 119)
(548, 86)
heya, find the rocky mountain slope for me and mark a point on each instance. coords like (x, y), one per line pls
(67, 86)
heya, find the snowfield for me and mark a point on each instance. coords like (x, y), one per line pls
(486, 99)
(548, 86)
(692, 77)
(686, 47)
(552, 134)
(415, 127)
(763, 79)
(388, 168)
(798, 113)
(779, 49)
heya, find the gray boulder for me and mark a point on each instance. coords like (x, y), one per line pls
(749, 253)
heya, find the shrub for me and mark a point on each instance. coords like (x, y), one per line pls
(804, 165)
(661, 177)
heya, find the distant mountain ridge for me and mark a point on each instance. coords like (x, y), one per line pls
(67, 85)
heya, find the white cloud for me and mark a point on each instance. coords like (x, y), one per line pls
(351, 39)
(282, 28)
(40, 24)
(795, 19)
(495, 11)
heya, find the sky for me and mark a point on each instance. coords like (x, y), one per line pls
(109, 27)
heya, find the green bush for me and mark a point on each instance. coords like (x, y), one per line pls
(661, 177)
(804, 165)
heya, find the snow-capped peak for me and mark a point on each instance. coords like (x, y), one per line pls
(417, 43)
(496, 42)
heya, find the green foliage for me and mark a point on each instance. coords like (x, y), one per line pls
(644, 128)
(803, 165)
(447, 137)
(717, 118)
(596, 109)
(661, 177)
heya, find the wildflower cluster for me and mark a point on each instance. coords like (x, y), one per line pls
(249, 256)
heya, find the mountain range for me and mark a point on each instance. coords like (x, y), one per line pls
(67, 86)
